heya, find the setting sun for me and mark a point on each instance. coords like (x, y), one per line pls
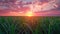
(29, 14)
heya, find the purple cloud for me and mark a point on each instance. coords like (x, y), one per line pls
(7, 6)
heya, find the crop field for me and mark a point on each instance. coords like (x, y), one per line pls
(29, 25)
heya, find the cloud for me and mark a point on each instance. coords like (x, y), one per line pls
(12, 7)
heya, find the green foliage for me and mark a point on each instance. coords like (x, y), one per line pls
(34, 25)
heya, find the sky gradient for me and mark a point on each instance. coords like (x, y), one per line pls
(21, 7)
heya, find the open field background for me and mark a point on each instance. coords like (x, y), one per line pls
(29, 25)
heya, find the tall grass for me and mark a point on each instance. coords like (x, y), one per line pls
(39, 25)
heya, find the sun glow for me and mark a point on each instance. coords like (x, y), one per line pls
(29, 13)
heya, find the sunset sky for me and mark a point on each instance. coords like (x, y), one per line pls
(35, 7)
